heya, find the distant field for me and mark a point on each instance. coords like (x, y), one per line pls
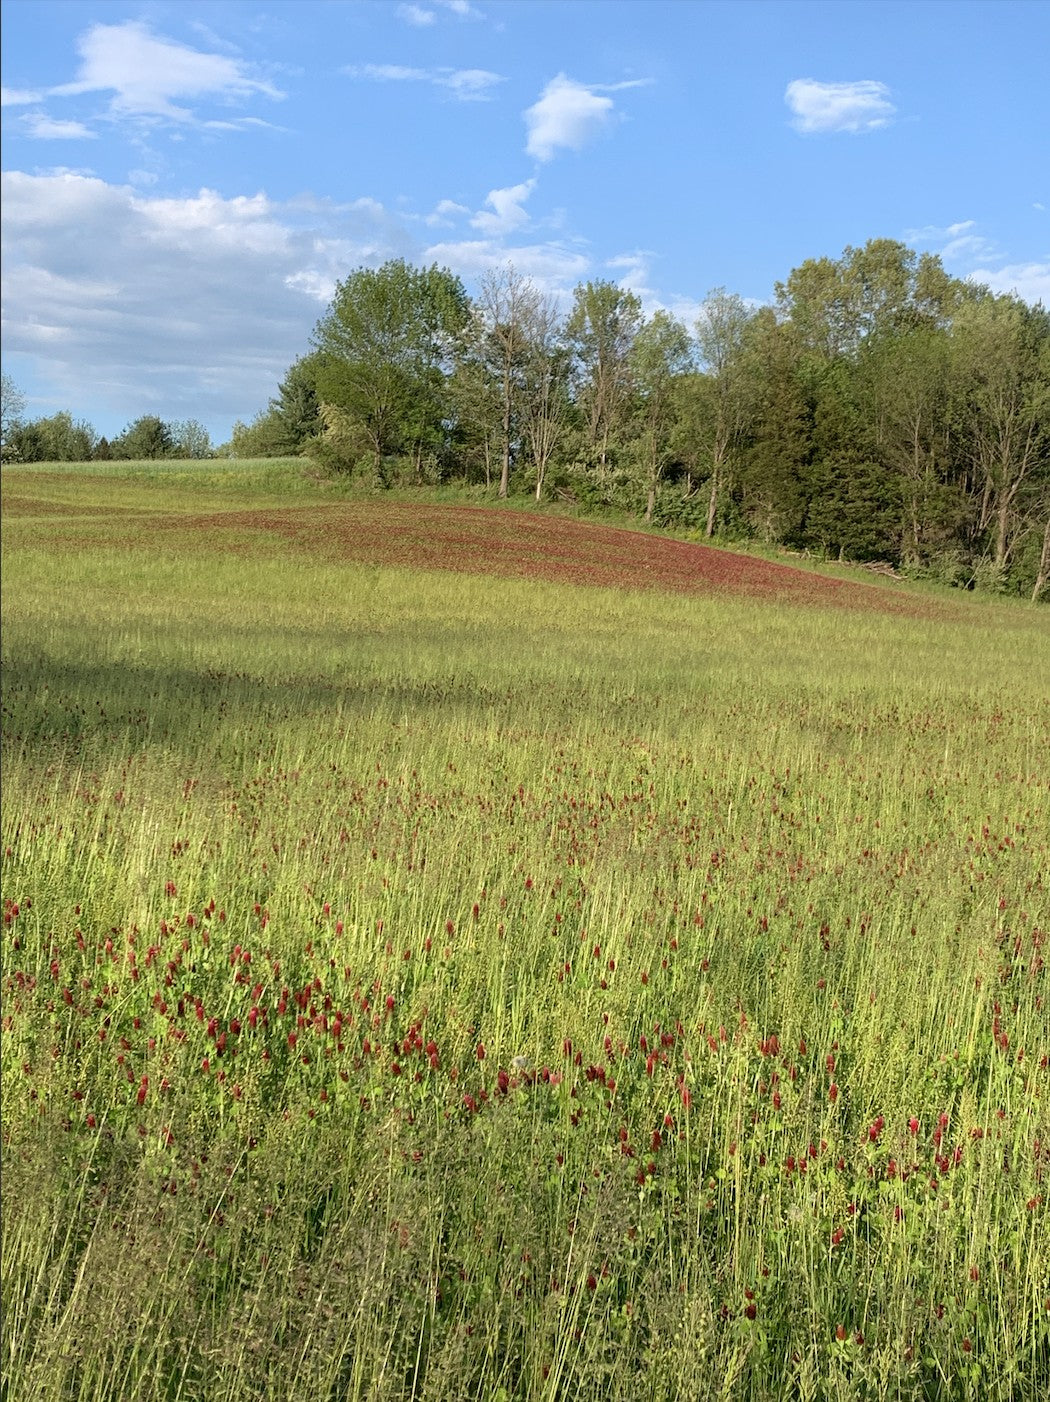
(460, 537)
(456, 952)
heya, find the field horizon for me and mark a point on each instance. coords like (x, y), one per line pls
(458, 951)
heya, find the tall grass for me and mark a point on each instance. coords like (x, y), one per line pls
(430, 986)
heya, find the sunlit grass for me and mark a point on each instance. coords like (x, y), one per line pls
(603, 949)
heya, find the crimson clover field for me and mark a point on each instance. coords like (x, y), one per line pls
(453, 952)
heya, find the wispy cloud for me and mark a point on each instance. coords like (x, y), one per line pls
(569, 115)
(465, 84)
(935, 233)
(555, 267)
(506, 210)
(831, 107)
(463, 9)
(18, 97)
(417, 15)
(634, 274)
(44, 128)
(470, 84)
(148, 75)
(954, 242)
(977, 258)
(444, 214)
(1029, 281)
(422, 16)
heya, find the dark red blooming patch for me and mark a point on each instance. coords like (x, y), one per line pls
(529, 545)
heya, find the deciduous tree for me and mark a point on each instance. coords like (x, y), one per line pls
(721, 335)
(601, 329)
(660, 354)
(386, 344)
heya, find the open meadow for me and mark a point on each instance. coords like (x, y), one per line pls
(459, 953)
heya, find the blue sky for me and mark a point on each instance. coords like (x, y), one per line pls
(184, 183)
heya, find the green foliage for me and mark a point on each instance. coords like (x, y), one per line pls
(148, 437)
(600, 334)
(384, 346)
(341, 446)
(264, 437)
(12, 407)
(189, 439)
(54, 439)
(660, 355)
(882, 410)
(296, 412)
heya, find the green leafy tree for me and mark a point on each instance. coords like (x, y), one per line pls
(474, 398)
(884, 288)
(1001, 357)
(148, 437)
(512, 339)
(777, 454)
(264, 437)
(296, 408)
(660, 354)
(58, 438)
(601, 328)
(386, 345)
(190, 439)
(12, 407)
(721, 336)
(904, 382)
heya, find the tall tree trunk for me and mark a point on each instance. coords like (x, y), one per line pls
(1043, 575)
(504, 479)
(712, 505)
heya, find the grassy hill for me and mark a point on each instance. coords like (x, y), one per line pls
(453, 951)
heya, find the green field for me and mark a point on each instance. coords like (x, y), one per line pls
(421, 984)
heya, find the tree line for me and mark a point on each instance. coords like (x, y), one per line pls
(61, 438)
(879, 410)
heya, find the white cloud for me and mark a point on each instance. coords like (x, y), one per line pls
(933, 233)
(975, 256)
(1029, 281)
(568, 114)
(18, 97)
(422, 18)
(388, 72)
(954, 243)
(416, 15)
(444, 214)
(470, 84)
(554, 267)
(45, 128)
(507, 212)
(146, 73)
(189, 308)
(827, 107)
(466, 84)
(635, 275)
(967, 246)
